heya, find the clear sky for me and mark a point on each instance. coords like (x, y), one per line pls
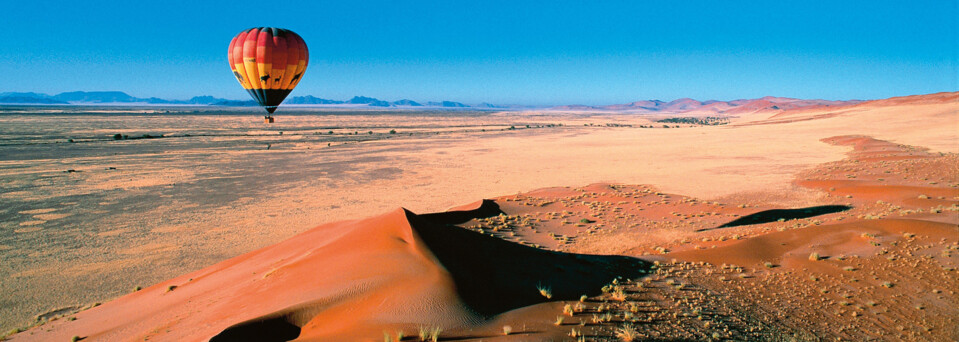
(506, 52)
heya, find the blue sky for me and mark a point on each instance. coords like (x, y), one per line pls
(507, 52)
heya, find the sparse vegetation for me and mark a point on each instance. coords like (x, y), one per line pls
(545, 291)
(627, 333)
(431, 334)
(399, 336)
(618, 294)
(707, 121)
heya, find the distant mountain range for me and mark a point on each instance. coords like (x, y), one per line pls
(83, 97)
(684, 105)
(95, 97)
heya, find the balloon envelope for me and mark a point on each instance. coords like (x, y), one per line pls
(269, 62)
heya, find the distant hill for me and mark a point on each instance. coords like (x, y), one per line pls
(235, 103)
(405, 102)
(204, 100)
(310, 99)
(96, 97)
(447, 104)
(368, 101)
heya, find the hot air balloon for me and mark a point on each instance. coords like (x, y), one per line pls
(269, 62)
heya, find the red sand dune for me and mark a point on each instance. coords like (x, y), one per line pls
(351, 281)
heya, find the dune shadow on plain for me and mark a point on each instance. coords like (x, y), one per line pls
(773, 215)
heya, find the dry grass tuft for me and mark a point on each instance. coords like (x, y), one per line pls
(627, 333)
(431, 334)
(545, 291)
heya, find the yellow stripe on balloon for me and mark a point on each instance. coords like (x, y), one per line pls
(251, 72)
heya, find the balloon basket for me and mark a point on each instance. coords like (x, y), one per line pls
(268, 119)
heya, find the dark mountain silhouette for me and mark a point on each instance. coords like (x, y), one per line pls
(405, 102)
(235, 103)
(310, 99)
(96, 96)
(446, 104)
(368, 101)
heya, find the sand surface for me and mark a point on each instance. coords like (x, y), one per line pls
(136, 212)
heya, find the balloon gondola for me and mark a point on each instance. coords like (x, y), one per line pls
(269, 62)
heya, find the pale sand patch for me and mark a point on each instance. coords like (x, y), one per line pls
(123, 181)
(114, 232)
(27, 230)
(169, 229)
(51, 217)
(149, 248)
(107, 266)
(37, 211)
(15, 194)
(32, 223)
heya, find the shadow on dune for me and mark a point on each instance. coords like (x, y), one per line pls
(767, 216)
(491, 275)
(277, 329)
(494, 276)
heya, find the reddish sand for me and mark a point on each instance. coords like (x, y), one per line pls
(883, 230)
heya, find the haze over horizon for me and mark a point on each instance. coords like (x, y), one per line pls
(498, 52)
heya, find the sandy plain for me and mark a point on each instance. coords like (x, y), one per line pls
(134, 212)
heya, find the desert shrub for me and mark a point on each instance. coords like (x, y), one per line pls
(430, 333)
(618, 294)
(545, 291)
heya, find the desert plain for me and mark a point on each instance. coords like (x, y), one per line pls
(195, 224)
